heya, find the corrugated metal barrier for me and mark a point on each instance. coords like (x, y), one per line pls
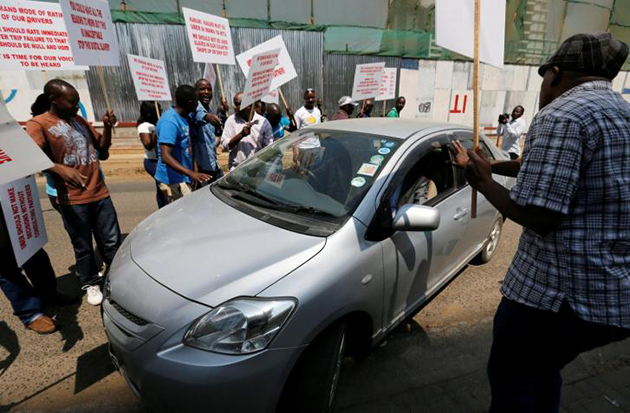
(170, 44)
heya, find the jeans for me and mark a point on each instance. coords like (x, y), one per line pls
(25, 297)
(150, 166)
(530, 347)
(80, 221)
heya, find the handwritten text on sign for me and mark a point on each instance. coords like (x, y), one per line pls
(367, 80)
(260, 76)
(91, 31)
(23, 216)
(285, 71)
(388, 84)
(33, 36)
(149, 78)
(209, 37)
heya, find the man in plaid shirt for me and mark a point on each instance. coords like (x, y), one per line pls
(568, 288)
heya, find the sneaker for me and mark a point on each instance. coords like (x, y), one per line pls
(94, 295)
(43, 325)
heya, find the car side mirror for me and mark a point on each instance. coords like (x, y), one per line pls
(413, 217)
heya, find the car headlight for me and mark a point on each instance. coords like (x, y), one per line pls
(240, 326)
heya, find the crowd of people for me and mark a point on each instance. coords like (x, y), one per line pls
(181, 155)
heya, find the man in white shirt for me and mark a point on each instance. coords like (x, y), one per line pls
(511, 130)
(242, 138)
(308, 114)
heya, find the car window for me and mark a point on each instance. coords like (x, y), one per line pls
(318, 174)
(425, 177)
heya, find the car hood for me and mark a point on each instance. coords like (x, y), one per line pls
(210, 252)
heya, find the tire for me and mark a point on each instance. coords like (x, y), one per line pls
(312, 384)
(490, 246)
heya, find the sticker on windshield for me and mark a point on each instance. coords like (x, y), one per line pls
(367, 169)
(389, 144)
(384, 151)
(275, 178)
(377, 160)
(377, 144)
(358, 182)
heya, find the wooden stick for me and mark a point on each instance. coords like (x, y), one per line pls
(384, 108)
(473, 205)
(362, 106)
(157, 109)
(216, 69)
(101, 77)
(284, 101)
(251, 112)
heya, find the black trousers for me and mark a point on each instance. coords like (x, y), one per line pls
(530, 347)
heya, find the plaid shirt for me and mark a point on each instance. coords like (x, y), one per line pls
(577, 162)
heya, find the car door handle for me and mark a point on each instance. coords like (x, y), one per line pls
(460, 214)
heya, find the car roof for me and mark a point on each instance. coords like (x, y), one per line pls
(392, 127)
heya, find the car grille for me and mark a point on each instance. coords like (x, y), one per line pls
(129, 316)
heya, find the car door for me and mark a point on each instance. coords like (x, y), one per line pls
(480, 227)
(417, 263)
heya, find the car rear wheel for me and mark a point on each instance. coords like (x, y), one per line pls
(312, 385)
(491, 244)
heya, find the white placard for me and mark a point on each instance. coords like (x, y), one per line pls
(284, 71)
(23, 216)
(261, 74)
(388, 84)
(91, 31)
(367, 80)
(272, 97)
(149, 78)
(455, 23)
(209, 37)
(19, 155)
(209, 74)
(33, 36)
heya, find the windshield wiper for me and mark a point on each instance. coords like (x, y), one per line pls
(249, 195)
(309, 210)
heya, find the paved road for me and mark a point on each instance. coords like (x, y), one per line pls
(435, 363)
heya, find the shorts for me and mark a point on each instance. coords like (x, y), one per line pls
(173, 192)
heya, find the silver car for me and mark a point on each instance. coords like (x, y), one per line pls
(246, 295)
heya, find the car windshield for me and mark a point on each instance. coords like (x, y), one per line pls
(321, 175)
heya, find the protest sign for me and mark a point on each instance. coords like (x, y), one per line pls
(261, 74)
(23, 216)
(209, 36)
(19, 155)
(388, 84)
(285, 71)
(367, 80)
(271, 97)
(454, 26)
(91, 31)
(149, 78)
(34, 37)
(209, 74)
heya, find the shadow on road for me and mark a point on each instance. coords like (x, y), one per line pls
(9, 341)
(92, 367)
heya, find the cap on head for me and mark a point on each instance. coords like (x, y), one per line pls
(347, 100)
(595, 54)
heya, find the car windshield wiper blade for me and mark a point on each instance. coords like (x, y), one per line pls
(249, 195)
(308, 210)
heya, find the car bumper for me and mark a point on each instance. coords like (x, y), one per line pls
(171, 376)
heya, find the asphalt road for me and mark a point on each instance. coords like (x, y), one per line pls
(434, 363)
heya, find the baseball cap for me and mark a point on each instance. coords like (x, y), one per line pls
(596, 54)
(347, 100)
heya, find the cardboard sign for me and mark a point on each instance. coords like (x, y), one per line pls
(455, 24)
(91, 32)
(272, 97)
(23, 216)
(388, 84)
(261, 74)
(367, 80)
(34, 37)
(149, 78)
(209, 36)
(19, 155)
(284, 71)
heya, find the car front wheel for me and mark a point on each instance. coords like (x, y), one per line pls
(491, 244)
(312, 385)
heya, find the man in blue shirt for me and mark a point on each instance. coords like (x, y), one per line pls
(175, 171)
(206, 126)
(279, 123)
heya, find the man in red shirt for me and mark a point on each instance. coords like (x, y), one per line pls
(75, 147)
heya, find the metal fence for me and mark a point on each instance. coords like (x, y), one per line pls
(170, 44)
